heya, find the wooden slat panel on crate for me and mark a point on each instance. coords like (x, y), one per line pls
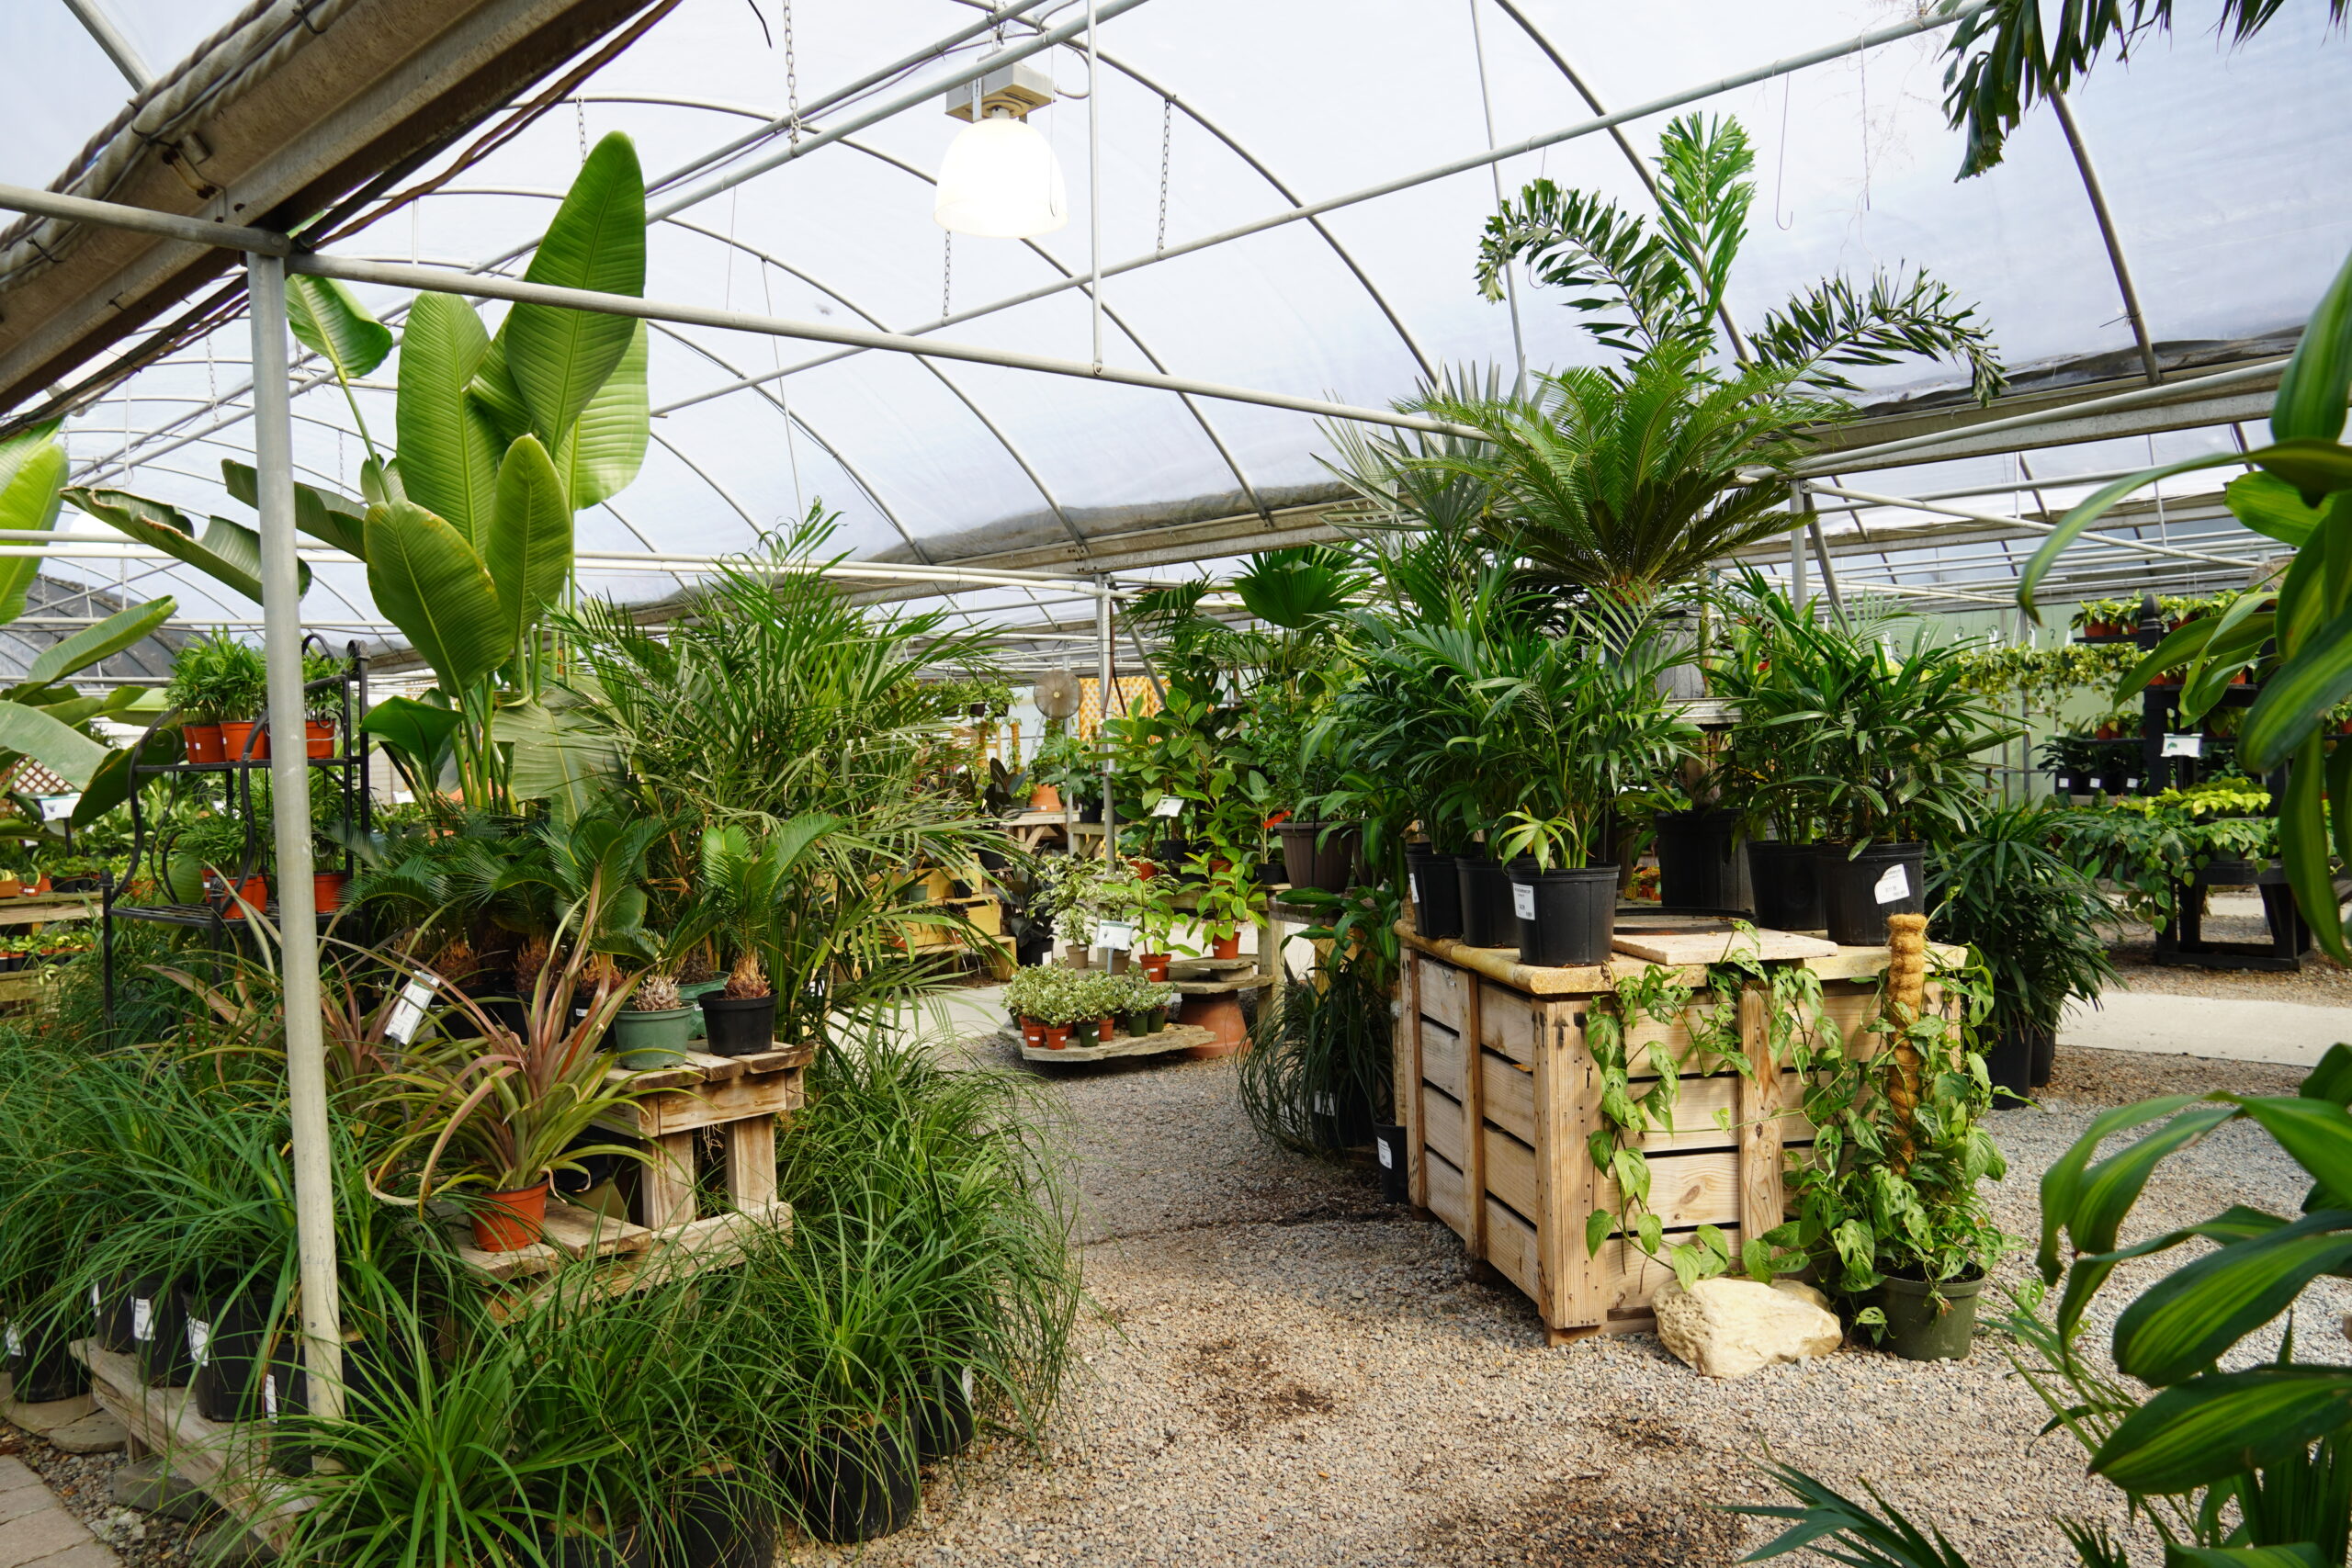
(1441, 1123)
(1853, 1010)
(1441, 1061)
(1473, 1116)
(1714, 947)
(1510, 1173)
(1510, 1096)
(1407, 1085)
(1685, 1190)
(1511, 1247)
(1568, 1111)
(1445, 996)
(1506, 1022)
(569, 1232)
(1633, 1291)
(1448, 1201)
(1698, 1099)
(1758, 1116)
(683, 1110)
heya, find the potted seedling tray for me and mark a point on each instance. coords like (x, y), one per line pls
(1171, 1038)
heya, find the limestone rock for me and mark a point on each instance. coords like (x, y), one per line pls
(97, 1433)
(1727, 1329)
(49, 1414)
(150, 1485)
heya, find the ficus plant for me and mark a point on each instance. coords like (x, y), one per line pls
(466, 525)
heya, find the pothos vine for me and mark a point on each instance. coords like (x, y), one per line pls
(1843, 1099)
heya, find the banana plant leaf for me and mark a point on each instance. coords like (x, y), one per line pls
(102, 640)
(559, 357)
(527, 547)
(430, 583)
(449, 453)
(333, 520)
(557, 759)
(228, 552)
(32, 475)
(109, 785)
(61, 749)
(606, 447)
(423, 737)
(328, 322)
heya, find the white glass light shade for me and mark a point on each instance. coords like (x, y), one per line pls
(1000, 181)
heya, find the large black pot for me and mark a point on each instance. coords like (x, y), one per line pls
(2045, 1057)
(721, 1523)
(1697, 868)
(1565, 917)
(1312, 859)
(943, 1420)
(247, 1368)
(41, 1369)
(1787, 883)
(2009, 1061)
(110, 1315)
(1487, 916)
(1858, 891)
(738, 1026)
(1396, 1171)
(1436, 892)
(853, 1486)
(159, 1331)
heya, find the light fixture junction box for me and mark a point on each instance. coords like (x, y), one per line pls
(1016, 89)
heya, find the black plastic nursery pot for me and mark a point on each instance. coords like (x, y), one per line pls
(854, 1485)
(41, 1369)
(738, 1026)
(1313, 860)
(2045, 1057)
(1696, 863)
(1342, 1117)
(1564, 917)
(1487, 916)
(2010, 1058)
(110, 1315)
(1436, 891)
(159, 1331)
(1919, 1328)
(1858, 891)
(1388, 1147)
(721, 1523)
(243, 1369)
(1786, 879)
(944, 1422)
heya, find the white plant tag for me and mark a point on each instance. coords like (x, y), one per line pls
(54, 807)
(968, 1382)
(1387, 1160)
(407, 1012)
(1522, 900)
(94, 1296)
(199, 1341)
(1324, 1106)
(142, 1319)
(2184, 746)
(269, 1396)
(1894, 885)
(1413, 880)
(1170, 805)
(1116, 935)
(16, 1343)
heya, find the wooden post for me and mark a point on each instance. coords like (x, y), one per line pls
(1762, 1204)
(751, 1161)
(665, 1187)
(1568, 1110)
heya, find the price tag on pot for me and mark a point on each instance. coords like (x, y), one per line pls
(1387, 1160)
(269, 1396)
(407, 1012)
(1413, 883)
(1169, 806)
(2184, 746)
(1894, 885)
(16, 1344)
(54, 807)
(1116, 935)
(199, 1341)
(1324, 1105)
(1522, 900)
(142, 1320)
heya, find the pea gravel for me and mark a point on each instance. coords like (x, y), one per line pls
(1284, 1369)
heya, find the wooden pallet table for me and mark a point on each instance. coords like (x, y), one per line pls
(739, 1099)
(1172, 1037)
(229, 1462)
(1499, 1094)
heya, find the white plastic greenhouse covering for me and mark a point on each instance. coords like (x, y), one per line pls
(2223, 170)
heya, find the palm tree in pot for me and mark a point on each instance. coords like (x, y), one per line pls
(744, 888)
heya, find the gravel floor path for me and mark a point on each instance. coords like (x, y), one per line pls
(1286, 1371)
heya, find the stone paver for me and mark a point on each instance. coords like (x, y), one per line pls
(42, 1535)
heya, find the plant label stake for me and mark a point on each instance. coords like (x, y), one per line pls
(1116, 935)
(1169, 806)
(2184, 746)
(409, 1012)
(1893, 885)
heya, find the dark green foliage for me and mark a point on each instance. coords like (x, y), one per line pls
(1320, 1053)
(2036, 922)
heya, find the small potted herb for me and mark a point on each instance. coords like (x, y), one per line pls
(1143, 1004)
(1028, 997)
(240, 696)
(1225, 899)
(1095, 1001)
(202, 679)
(323, 693)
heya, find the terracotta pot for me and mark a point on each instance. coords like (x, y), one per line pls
(326, 890)
(1155, 964)
(42, 887)
(1057, 1037)
(512, 1220)
(203, 743)
(318, 737)
(1045, 797)
(1226, 946)
(1033, 1034)
(253, 890)
(2238, 679)
(234, 733)
(1108, 1030)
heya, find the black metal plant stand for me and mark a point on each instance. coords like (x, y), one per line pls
(346, 765)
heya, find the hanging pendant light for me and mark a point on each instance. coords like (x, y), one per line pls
(1000, 181)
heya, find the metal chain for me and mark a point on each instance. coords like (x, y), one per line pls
(791, 80)
(580, 115)
(946, 273)
(1167, 125)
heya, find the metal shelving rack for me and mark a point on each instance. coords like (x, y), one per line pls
(348, 765)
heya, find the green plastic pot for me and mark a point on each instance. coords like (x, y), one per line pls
(1082, 1031)
(1918, 1328)
(693, 995)
(659, 1039)
(1147, 1021)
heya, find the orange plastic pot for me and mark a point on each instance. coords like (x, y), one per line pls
(1045, 797)
(512, 1220)
(253, 890)
(1226, 946)
(1057, 1037)
(326, 890)
(236, 733)
(1155, 966)
(1108, 1030)
(318, 737)
(203, 742)
(1033, 1034)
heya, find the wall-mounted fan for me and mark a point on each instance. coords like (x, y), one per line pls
(1056, 693)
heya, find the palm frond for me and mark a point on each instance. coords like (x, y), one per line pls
(1704, 196)
(1834, 323)
(1844, 1531)
(1632, 284)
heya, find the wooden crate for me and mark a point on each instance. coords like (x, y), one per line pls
(739, 1100)
(1499, 1094)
